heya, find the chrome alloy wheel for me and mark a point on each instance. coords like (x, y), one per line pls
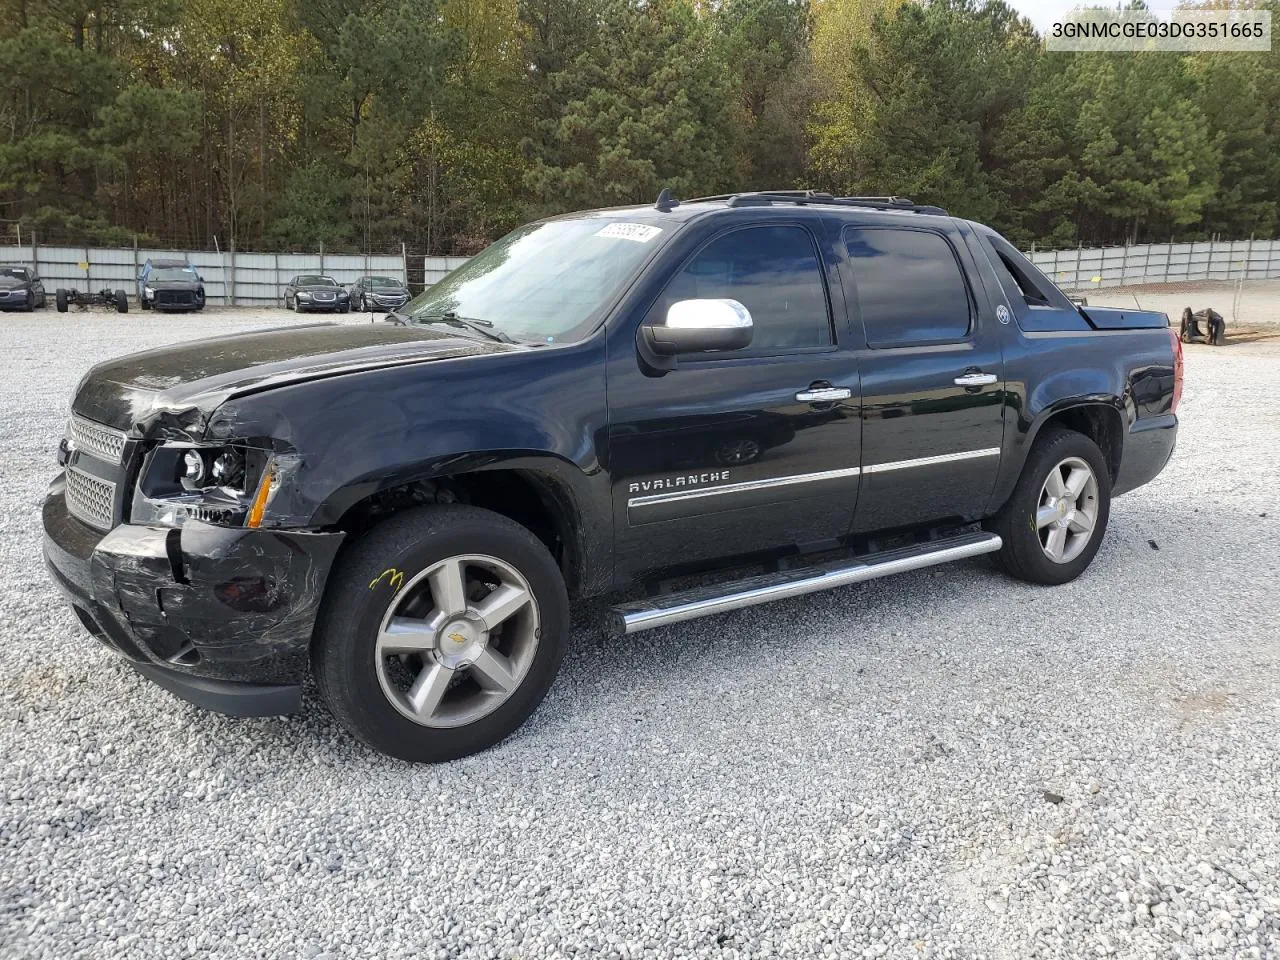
(457, 641)
(1068, 510)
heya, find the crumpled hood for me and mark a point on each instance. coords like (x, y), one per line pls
(172, 391)
(11, 283)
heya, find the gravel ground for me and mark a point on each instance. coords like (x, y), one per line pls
(946, 764)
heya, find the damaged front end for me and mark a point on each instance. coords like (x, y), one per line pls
(166, 548)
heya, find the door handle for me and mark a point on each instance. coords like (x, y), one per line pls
(975, 380)
(824, 394)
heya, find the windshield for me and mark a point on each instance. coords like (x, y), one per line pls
(173, 273)
(19, 272)
(315, 282)
(384, 282)
(545, 281)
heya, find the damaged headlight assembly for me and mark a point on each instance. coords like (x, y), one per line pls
(228, 484)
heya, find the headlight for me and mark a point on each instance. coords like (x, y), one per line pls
(302, 295)
(227, 484)
(149, 293)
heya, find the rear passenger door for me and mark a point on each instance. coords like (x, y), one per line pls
(932, 377)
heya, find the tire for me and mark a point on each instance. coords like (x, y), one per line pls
(390, 571)
(31, 302)
(122, 302)
(363, 307)
(142, 303)
(60, 299)
(1027, 549)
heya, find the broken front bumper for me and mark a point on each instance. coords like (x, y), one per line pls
(220, 616)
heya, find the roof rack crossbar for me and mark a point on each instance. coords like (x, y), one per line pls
(801, 197)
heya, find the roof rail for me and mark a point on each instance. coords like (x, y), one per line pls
(802, 197)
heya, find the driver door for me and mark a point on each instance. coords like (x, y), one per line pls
(740, 452)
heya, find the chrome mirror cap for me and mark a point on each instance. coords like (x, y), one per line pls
(691, 327)
(721, 314)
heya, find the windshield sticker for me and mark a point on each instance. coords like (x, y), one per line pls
(638, 232)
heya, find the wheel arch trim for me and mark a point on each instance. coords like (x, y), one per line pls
(563, 488)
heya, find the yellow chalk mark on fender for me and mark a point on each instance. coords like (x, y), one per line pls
(391, 575)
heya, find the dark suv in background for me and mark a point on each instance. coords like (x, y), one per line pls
(20, 289)
(316, 292)
(170, 285)
(378, 293)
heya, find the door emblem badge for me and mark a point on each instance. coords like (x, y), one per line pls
(1002, 313)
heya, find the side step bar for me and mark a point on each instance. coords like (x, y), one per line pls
(717, 598)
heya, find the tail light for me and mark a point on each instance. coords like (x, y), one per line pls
(1177, 370)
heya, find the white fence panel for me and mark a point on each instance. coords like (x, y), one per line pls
(1085, 268)
(259, 279)
(253, 279)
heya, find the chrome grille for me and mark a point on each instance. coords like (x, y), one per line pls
(90, 499)
(95, 438)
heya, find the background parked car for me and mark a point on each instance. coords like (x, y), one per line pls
(314, 292)
(170, 285)
(20, 289)
(379, 293)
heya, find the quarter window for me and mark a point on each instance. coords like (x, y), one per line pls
(909, 286)
(774, 272)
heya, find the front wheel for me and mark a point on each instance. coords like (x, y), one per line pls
(441, 631)
(1054, 521)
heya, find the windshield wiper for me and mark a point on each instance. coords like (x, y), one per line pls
(483, 327)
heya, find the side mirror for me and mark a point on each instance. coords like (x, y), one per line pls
(695, 326)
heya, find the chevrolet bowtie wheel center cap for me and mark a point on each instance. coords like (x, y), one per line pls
(460, 642)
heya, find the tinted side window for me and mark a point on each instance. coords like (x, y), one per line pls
(774, 272)
(909, 286)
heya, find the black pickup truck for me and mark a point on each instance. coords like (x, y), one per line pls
(684, 408)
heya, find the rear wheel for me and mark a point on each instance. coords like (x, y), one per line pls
(60, 299)
(1054, 521)
(122, 301)
(441, 631)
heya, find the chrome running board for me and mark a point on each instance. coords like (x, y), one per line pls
(718, 598)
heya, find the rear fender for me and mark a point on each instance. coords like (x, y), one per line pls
(1059, 392)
